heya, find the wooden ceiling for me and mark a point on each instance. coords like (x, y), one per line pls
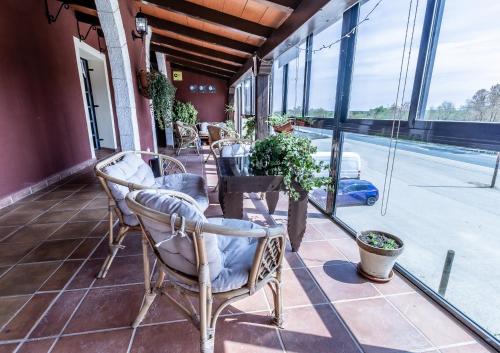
(214, 36)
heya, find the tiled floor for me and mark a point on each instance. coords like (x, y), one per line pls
(51, 248)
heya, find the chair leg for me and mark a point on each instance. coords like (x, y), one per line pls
(114, 246)
(207, 333)
(208, 157)
(278, 302)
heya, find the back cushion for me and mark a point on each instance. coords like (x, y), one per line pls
(131, 169)
(235, 150)
(177, 251)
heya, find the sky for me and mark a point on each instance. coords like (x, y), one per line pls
(468, 55)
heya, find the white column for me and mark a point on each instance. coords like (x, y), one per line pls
(147, 43)
(162, 63)
(121, 72)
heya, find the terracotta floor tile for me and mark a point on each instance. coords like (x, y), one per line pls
(342, 282)
(442, 330)
(54, 217)
(74, 230)
(55, 195)
(32, 233)
(101, 342)
(53, 322)
(59, 279)
(39, 346)
(470, 348)
(26, 278)
(395, 286)
(162, 311)
(348, 248)
(18, 327)
(11, 253)
(316, 329)
(85, 249)
(132, 243)
(319, 253)
(116, 307)
(100, 230)
(88, 215)
(178, 337)
(299, 288)
(8, 348)
(292, 259)
(5, 231)
(379, 327)
(254, 303)
(52, 250)
(86, 275)
(330, 230)
(10, 305)
(97, 203)
(19, 217)
(85, 195)
(124, 270)
(71, 205)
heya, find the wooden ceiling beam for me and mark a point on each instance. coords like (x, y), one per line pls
(205, 13)
(156, 38)
(90, 4)
(86, 18)
(193, 57)
(175, 66)
(198, 66)
(283, 5)
(199, 34)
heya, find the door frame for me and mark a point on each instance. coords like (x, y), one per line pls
(83, 50)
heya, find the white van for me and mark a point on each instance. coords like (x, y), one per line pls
(350, 167)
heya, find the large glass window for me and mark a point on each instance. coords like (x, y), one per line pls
(277, 104)
(248, 96)
(295, 87)
(324, 70)
(465, 84)
(379, 48)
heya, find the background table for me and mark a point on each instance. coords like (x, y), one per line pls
(236, 178)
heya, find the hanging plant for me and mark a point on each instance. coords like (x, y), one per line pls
(249, 128)
(291, 157)
(161, 91)
(185, 112)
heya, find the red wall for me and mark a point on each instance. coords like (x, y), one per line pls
(210, 106)
(43, 127)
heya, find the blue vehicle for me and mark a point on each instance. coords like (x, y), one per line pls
(356, 192)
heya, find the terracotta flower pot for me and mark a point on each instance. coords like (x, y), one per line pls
(285, 128)
(377, 263)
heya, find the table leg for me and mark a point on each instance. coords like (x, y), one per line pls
(232, 205)
(272, 200)
(297, 219)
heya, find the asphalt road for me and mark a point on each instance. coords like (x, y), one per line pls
(439, 200)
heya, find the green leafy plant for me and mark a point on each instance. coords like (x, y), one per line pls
(249, 128)
(291, 157)
(278, 120)
(379, 240)
(229, 125)
(162, 93)
(185, 112)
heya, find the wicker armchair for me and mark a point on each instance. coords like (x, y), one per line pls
(218, 132)
(187, 137)
(196, 234)
(116, 189)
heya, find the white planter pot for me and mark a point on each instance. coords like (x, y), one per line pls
(378, 262)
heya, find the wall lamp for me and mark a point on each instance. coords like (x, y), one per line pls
(141, 26)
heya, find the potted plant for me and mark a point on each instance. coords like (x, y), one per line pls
(229, 110)
(280, 123)
(249, 128)
(185, 112)
(291, 157)
(378, 251)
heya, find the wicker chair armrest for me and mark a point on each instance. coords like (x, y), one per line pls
(268, 259)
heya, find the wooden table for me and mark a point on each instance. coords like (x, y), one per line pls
(236, 178)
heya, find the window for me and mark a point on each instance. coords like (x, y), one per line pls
(295, 87)
(277, 104)
(379, 47)
(324, 69)
(465, 83)
(248, 96)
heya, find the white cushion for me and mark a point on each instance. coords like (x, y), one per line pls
(235, 150)
(191, 184)
(204, 127)
(132, 169)
(229, 258)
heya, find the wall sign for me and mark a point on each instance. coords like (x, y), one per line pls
(177, 75)
(193, 88)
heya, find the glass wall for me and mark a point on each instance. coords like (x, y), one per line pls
(277, 88)
(295, 84)
(432, 183)
(465, 83)
(248, 101)
(379, 50)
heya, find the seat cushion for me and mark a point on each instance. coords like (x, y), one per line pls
(235, 150)
(229, 258)
(191, 184)
(132, 169)
(175, 250)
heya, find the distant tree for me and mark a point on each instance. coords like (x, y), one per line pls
(445, 111)
(478, 104)
(494, 103)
